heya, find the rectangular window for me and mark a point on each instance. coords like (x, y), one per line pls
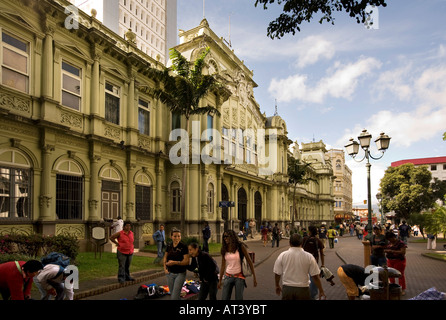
(143, 117)
(71, 86)
(143, 200)
(15, 193)
(69, 191)
(112, 101)
(241, 145)
(433, 167)
(176, 120)
(176, 200)
(210, 126)
(15, 62)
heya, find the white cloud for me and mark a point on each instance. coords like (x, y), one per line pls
(359, 179)
(313, 48)
(340, 82)
(424, 103)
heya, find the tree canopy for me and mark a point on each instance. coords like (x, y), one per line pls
(295, 12)
(406, 189)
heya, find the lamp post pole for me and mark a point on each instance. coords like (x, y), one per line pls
(352, 147)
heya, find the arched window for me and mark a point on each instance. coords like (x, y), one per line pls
(15, 185)
(210, 198)
(69, 190)
(143, 197)
(175, 193)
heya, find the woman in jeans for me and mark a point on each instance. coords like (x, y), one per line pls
(176, 260)
(231, 266)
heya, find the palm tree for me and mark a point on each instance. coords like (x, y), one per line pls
(181, 88)
(298, 173)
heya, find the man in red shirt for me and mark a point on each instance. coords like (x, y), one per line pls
(124, 251)
(16, 279)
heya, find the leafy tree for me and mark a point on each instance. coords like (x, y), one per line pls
(298, 173)
(406, 189)
(418, 219)
(436, 221)
(439, 189)
(182, 88)
(295, 12)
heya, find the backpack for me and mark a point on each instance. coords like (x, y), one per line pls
(311, 245)
(56, 258)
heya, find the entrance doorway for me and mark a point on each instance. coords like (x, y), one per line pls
(242, 203)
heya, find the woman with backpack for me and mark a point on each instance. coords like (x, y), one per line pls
(231, 274)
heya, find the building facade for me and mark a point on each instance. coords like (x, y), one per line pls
(81, 143)
(315, 198)
(343, 192)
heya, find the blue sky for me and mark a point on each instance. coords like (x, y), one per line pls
(333, 81)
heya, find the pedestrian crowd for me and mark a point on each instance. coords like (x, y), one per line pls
(296, 270)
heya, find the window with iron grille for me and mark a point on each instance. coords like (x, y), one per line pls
(69, 197)
(15, 193)
(143, 202)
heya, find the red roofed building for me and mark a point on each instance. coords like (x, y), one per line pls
(436, 165)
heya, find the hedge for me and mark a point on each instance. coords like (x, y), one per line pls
(35, 245)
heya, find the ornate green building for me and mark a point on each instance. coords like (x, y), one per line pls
(80, 141)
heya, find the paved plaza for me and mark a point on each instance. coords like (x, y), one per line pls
(422, 272)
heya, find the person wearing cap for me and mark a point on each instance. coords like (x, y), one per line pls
(51, 282)
(16, 278)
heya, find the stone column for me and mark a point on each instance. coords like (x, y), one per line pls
(94, 106)
(130, 204)
(47, 63)
(45, 198)
(95, 190)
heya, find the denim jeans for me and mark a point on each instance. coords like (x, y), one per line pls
(228, 284)
(175, 282)
(124, 261)
(159, 246)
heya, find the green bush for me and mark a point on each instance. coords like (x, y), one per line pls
(34, 245)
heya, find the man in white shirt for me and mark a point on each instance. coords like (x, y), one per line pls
(295, 266)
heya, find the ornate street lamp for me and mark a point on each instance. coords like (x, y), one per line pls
(382, 143)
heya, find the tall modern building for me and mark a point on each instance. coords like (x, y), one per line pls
(153, 21)
(342, 185)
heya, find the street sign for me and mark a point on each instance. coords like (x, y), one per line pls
(226, 204)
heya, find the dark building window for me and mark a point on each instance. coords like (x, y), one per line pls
(143, 202)
(15, 193)
(69, 192)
